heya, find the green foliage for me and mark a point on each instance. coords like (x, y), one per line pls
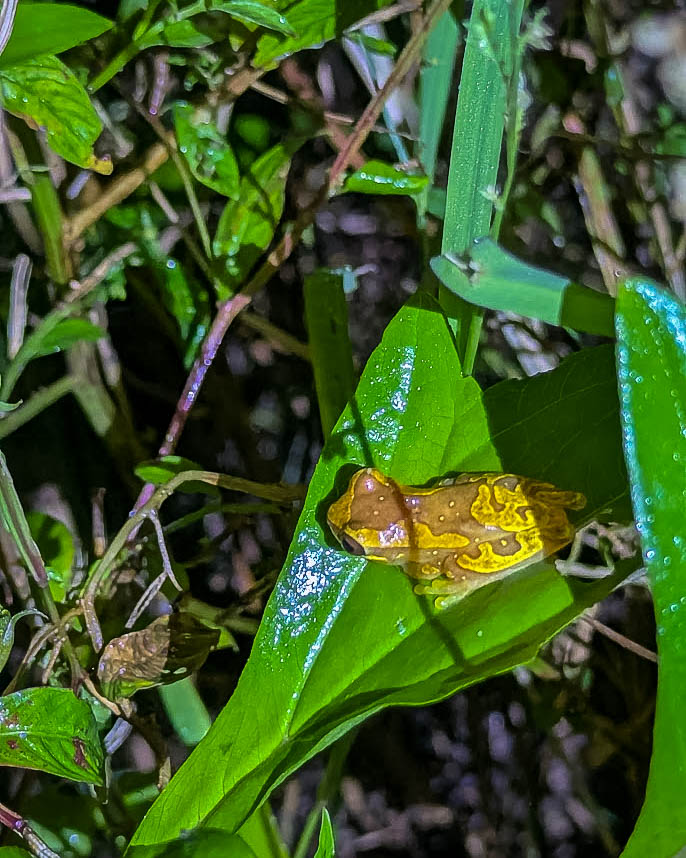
(7, 624)
(56, 546)
(160, 471)
(51, 730)
(216, 217)
(246, 227)
(491, 277)
(326, 314)
(651, 362)
(314, 22)
(379, 178)
(46, 94)
(209, 156)
(49, 28)
(342, 637)
(326, 847)
(255, 12)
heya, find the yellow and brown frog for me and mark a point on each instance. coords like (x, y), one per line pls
(457, 535)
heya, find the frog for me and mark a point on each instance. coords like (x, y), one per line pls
(458, 534)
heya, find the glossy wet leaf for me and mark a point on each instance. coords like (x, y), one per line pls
(326, 316)
(314, 22)
(254, 12)
(51, 730)
(208, 153)
(540, 426)
(247, 225)
(493, 278)
(326, 847)
(651, 367)
(47, 95)
(56, 545)
(50, 28)
(376, 177)
(342, 638)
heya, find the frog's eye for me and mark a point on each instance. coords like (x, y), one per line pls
(352, 545)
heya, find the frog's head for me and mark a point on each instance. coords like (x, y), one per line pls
(370, 516)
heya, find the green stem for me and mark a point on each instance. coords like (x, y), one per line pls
(40, 400)
(142, 41)
(46, 205)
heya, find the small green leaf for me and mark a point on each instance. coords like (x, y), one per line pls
(46, 94)
(196, 33)
(490, 277)
(56, 545)
(246, 226)
(14, 852)
(188, 302)
(6, 407)
(326, 315)
(315, 22)
(375, 177)
(7, 624)
(382, 47)
(49, 28)
(327, 845)
(254, 12)
(651, 367)
(51, 730)
(160, 471)
(207, 152)
(66, 333)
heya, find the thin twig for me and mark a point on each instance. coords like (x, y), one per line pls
(278, 493)
(117, 191)
(620, 639)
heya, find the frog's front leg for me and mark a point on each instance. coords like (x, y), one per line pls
(454, 582)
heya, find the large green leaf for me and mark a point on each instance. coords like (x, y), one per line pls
(342, 638)
(651, 364)
(542, 425)
(315, 22)
(49, 28)
(51, 730)
(206, 843)
(45, 93)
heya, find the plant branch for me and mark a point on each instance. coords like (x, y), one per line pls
(230, 309)
(272, 492)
